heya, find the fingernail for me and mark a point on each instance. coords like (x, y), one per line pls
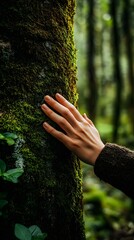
(47, 98)
(43, 106)
(58, 95)
(45, 124)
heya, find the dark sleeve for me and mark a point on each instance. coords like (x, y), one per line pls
(115, 165)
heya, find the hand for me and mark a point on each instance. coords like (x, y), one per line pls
(80, 135)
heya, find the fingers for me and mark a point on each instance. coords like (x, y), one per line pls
(62, 122)
(64, 111)
(68, 105)
(87, 119)
(57, 134)
(70, 118)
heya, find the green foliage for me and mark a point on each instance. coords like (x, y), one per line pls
(8, 137)
(106, 210)
(10, 175)
(31, 233)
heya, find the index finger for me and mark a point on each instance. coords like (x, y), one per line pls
(64, 111)
(70, 106)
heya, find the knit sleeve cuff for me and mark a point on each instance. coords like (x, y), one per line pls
(115, 165)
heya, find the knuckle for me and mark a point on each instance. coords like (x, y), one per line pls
(66, 112)
(50, 112)
(54, 104)
(51, 130)
(62, 121)
(81, 129)
(74, 144)
(71, 108)
(60, 136)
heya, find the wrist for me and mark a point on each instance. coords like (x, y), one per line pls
(96, 153)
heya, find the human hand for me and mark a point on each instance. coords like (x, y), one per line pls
(80, 135)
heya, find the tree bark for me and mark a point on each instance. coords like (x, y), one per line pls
(92, 82)
(117, 70)
(37, 57)
(127, 20)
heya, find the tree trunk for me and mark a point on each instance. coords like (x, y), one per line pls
(117, 70)
(93, 92)
(37, 57)
(127, 20)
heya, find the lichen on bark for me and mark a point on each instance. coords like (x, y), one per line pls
(37, 57)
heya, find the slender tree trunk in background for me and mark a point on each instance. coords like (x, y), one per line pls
(92, 101)
(127, 20)
(37, 57)
(117, 70)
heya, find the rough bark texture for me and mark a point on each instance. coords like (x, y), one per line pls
(37, 57)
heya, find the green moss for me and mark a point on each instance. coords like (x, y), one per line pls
(42, 61)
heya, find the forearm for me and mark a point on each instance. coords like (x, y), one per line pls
(115, 165)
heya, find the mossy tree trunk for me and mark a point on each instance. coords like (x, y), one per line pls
(37, 57)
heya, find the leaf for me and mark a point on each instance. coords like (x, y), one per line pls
(10, 141)
(2, 137)
(10, 135)
(2, 166)
(3, 202)
(22, 232)
(37, 233)
(35, 230)
(13, 174)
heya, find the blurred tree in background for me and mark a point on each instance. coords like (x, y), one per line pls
(92, 81)
(104, 38)
(104, 35)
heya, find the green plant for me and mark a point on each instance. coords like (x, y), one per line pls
(21, 232)
(8, 137)
(31, 233)
(11, 175)
(106, 210)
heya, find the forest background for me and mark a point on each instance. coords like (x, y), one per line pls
(48, 195)
(104, 38)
